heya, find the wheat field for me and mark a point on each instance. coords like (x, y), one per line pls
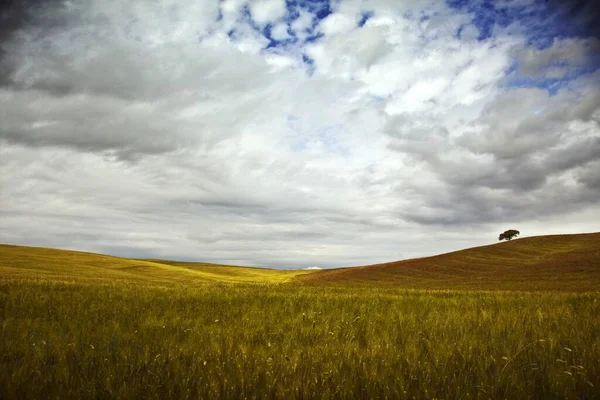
(109, 328)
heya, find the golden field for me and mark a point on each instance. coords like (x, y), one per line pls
(488, 323)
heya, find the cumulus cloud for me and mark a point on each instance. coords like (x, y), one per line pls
(337, 23)
(290, 135)
(265, 11)
(280, 31)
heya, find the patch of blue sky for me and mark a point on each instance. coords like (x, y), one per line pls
(546, 82)
(328, 136)
(267, 30)
(365, 17)
(319, 8)
(278, 43)
(247, 17)
(552, 85)
(313, 37)
(293, 11)
(325, 138)
(309, 63)
(375, 100)
(485, 15)
(541, 20)
(421, 15)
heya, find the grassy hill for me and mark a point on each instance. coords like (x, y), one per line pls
(557, 262)
(36, 263)
(79, 325)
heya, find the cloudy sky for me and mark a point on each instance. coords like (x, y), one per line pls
(296, 133)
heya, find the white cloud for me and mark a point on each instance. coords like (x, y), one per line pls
(161, 130)
(337, 23)
(280, 62)
(280, 31)
(354, 52)
(265, 11)
(303, 23)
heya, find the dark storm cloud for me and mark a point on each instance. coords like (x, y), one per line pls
(528, 155)
(89, 124)
(78, 77)
(15, 17)
(472, 207)
(589, 176)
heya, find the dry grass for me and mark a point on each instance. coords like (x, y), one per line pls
(283, 341)
(559, 262)
(77, 325)
(35, 263)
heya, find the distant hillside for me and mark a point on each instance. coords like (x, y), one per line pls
(37, 263)
(557, 262)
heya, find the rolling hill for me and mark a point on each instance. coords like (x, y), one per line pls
(37, 263)
(556, 262)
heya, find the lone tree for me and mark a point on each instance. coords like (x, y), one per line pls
(509, 234)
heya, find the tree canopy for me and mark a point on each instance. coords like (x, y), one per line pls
(509, 234)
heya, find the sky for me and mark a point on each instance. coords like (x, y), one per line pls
(296, 133)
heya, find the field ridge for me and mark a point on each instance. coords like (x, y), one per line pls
(38, 263)
(552, 262)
